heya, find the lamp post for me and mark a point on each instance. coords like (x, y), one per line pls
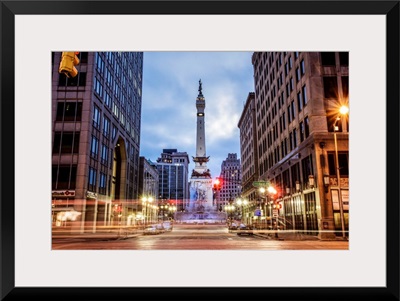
(230, 209)
(146, 202)
(271, 191)
(343, 111)
(241, 203)
(171, 210)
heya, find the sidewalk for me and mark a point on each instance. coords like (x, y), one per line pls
(284, 235)
(102, 234)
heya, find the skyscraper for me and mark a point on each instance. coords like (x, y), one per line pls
(96, 136)
(173, 169)
(231, 178)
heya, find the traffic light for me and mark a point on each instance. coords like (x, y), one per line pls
(278, 206)
(217, 184)
(67, 64)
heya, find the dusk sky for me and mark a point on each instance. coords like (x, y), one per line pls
(169, 92)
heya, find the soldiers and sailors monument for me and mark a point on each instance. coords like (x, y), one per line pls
(202, 206)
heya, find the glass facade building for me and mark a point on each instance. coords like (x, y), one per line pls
(96, 120)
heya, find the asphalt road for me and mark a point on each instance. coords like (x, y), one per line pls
(196, 237)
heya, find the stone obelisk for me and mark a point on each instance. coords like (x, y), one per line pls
(201, 194)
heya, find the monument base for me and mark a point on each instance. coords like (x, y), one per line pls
(196, 217)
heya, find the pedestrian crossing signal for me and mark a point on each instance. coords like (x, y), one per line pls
(68, 62)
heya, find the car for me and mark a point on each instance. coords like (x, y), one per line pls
(167, 226)
(151, 230)
(233, 226)
(160, 228)
(244, 230)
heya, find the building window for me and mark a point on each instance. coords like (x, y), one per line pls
(96, 117)
(344, 58)
(330, 87)
(98, 87)
(343, 158)
(83, 57)
(94, 147)
(299, 102)
(302, 67)
(294, 138)
(292, 108)
(63, 177)
(345, 86)
(298, 76)
(92, 179)
(79, 80)
(106, 127)
(115, 131)
(69, 111)
(109, 78)
(102, 183)
(115, 109)
(304, 92)
(306, 127)
(107, 100)
(307, 167)
(99, 64)
(328, 59)
(301, 126)
(66, 142)
(104, 154)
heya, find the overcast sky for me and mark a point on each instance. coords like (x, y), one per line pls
(169, 92)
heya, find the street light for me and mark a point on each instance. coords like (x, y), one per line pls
(146, 201)
(343, 111)
(230, 209)
(171, 210)
(271, 191)
(241, 203)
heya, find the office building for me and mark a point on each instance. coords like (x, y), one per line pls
(96, 118)
(231, 178)
(302, 139)
(173, 169)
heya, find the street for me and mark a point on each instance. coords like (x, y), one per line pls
(196, 237)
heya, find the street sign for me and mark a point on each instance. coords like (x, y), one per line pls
(257, 212)
(260, 183)
(275, 213)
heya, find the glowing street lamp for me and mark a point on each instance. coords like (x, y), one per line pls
(230, 209)
(146, 201)
(241, 203)
(344, 110)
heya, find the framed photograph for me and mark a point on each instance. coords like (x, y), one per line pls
(367, 30)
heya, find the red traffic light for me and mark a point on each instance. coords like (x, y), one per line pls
(217, 184)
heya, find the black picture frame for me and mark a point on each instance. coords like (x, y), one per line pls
(9, 9)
